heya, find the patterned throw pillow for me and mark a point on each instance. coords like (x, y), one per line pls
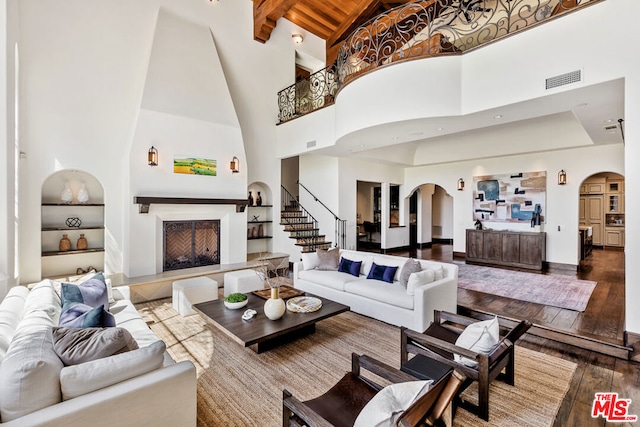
(80, 345)
(349, 266)
(382, 272)
(92, 292)
(85, 316)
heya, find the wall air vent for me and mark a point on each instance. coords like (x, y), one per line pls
(610, 127)
(563, 79)
(311, 144)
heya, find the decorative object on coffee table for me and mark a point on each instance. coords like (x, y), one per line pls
(82, 243)
(304, 304)
(285, 292)
(65, 243)
(236, 300)
(274, 307)
(73, 222)
(83, 195)
(66, 197)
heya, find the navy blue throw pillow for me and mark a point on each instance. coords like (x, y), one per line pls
(351, 267)
(382, 272)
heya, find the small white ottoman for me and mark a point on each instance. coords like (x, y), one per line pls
(242, 281)
(187, 292)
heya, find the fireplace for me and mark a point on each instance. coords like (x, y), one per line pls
(189, 244)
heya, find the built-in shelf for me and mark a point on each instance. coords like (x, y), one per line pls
(145, 202)
(97, 227)
(258, 238)
(73, 204)
(260, 206)
(259, 222)
(76, 252)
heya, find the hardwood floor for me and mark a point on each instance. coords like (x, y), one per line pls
(603, 317)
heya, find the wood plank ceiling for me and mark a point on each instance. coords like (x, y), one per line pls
(331, 20)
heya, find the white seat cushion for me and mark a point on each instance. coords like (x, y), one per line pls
(128, 317)
(389, 293)
(330, 279)
(242, 281)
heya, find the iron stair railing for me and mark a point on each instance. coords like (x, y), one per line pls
(340, 228)
(304, 225)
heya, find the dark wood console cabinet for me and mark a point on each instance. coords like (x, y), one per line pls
(510, 248)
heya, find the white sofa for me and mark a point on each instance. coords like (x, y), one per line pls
(142, 387)
(389, 302)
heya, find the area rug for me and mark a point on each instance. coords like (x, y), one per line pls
(237, 387)
(546, 289)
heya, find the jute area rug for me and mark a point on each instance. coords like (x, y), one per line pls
(237, 387)
(547, 289)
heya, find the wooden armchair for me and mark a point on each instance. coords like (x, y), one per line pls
(438, 343)
(341, 405)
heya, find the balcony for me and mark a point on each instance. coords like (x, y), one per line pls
(421, 29)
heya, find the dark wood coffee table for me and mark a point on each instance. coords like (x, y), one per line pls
(260, 333)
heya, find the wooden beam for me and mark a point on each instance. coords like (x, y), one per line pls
(364, 7)
(265, 15)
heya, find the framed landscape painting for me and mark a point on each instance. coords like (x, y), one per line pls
(512, 197)
(194, 166)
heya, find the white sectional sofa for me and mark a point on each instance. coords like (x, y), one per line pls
(435, 287)
(142, 387)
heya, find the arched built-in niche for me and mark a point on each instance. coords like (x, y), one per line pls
(59, 218)
(259, 219)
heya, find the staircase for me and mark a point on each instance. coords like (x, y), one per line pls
(302, 227)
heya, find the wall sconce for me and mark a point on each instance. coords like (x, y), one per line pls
(460, 184)
(234, 165)
(297, 38)
(153, 156)
(562, 177)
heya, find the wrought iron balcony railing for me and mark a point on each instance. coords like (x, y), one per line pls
(424, 28)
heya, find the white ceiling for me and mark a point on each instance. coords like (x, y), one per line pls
(557, 121)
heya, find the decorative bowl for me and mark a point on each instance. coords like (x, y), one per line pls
(236, 305)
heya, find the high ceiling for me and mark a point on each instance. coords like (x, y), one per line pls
(331, 20)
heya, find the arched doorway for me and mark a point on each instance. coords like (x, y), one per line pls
(430, 216)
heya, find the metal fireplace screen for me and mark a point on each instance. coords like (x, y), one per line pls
(191, 244)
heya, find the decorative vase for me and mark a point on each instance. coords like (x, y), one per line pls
(250, 199)
(83, 195)
(259, 200)
(82, 243)
(274, 308)
(254, 231)
(260, 231)
(65, 243)
(67, 196)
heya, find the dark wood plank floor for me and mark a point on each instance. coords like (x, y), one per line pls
(603, 317)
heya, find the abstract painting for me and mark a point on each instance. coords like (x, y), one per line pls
(194, 166)
(512, 197)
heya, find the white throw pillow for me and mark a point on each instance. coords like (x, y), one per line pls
(418, 279)
(385, 407)
(310, 261)
(86, 377)
(481, 337)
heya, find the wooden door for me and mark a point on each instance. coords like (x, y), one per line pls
(492, 247)
(511, 248)
(595, 218)
(531, 249)
(582, 210)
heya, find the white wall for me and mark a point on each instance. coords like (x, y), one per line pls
(443, 213)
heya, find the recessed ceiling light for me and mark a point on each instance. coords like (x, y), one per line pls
(395, 138)
(609, 121)
(361, 146)
(439, 129)
(497, 116)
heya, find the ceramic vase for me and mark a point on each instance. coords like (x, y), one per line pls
(250, 199)
(260, 231)
(258, 200)
(83, 195)
(65, 243)
(274, 308)
(66, 197)
(82, 243)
